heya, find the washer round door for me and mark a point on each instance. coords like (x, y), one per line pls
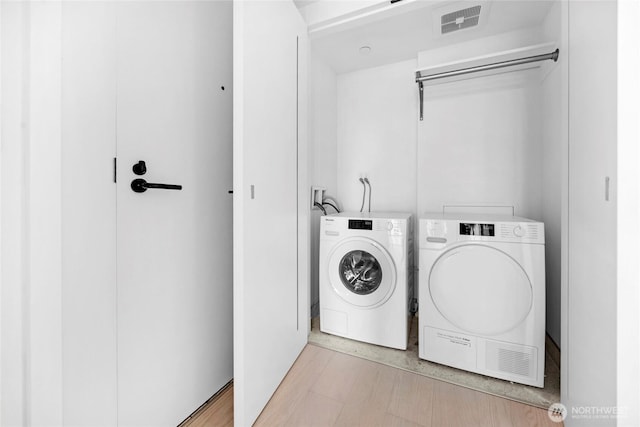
(480, 289)
(362, 272)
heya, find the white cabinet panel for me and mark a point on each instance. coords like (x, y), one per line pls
(589, 344)
(270, 293)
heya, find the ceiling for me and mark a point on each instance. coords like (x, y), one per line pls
(402, 36)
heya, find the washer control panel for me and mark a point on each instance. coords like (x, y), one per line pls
(360, 224)
(374, 227)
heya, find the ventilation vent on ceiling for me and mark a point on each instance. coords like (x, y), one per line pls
(460, 19)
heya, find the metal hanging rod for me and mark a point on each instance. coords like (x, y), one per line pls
(510, 63)
(420, 79)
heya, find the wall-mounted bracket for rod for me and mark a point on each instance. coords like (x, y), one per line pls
(421, 89)
(420, 78)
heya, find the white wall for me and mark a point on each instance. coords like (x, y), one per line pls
(490, 126)
(553, 143)
(12, 363)
(479, 144)
(479, 47)
(377, 125)
(628, 387)
(323, 154)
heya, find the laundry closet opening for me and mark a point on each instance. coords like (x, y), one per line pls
(490, 142)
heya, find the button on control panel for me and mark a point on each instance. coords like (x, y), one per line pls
(518, 231)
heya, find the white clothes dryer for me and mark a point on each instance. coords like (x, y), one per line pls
(366, 274)
(482, 295)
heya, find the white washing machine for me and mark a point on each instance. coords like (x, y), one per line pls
(366, 273)
(482, 295)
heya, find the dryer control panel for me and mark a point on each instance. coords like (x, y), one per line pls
(477, 229)
(438, 231)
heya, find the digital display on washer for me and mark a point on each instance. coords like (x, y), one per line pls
(471, 229)
(360, 224)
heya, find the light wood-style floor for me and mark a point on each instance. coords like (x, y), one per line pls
(218, 412)
(327, 388)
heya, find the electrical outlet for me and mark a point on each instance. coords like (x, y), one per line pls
(317, 195)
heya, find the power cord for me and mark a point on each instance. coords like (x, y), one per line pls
(331, 204)
(327, 199)
(319, 206)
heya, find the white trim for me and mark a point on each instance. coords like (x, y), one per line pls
(31, 281)
(564, 210)
(1, 205)
(324, 18)
(628, 158)
(239, 192)
(12, 368)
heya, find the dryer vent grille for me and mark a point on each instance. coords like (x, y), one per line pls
(511, 359)
(514, 362)
(460, 19)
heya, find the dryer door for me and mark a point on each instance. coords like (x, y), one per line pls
(362, 272)
(480, 289)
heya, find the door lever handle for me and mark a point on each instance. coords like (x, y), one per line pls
(140, 185)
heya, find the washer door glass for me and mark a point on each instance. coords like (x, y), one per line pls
(480, 289)
(362, 272)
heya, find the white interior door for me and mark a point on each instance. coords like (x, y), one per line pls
(88, 101)
(270, 233)
(174, 247)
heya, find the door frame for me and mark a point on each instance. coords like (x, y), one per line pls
(31, 210)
